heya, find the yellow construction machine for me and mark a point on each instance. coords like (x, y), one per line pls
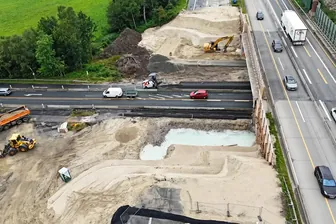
(213, 45)
(17, 143)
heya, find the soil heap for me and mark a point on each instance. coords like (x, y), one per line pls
(134, 59)
(184, 36)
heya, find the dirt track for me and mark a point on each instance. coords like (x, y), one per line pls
(103, 160)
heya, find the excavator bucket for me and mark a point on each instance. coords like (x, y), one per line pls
(207, 47)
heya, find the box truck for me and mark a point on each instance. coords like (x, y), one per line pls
(294, 27)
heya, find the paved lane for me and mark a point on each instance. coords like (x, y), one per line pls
(141, 95)
(307, 139)
(130, 102)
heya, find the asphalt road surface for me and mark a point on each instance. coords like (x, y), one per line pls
(182, 85)
(305, 134)
(176, 95)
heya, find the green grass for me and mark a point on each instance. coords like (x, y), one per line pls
(240, 4)
(283, 173)
(18, 15)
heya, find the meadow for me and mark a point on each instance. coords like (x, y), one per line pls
(18, 15)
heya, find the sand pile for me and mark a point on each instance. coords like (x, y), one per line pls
(184, 36)
(134, 59)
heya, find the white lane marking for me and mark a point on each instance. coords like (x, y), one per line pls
(176, 95)
(304, 71)
(187, 100)
(281, 64)
(321, 60)
(325, 110)
(242, 101)
(294, 51)
(150, 220)
(276, 17)
(284, 41)
(300, 111)
(156, 97)
(214, 100)
(194, 4)
(268, 33)
(153, 98)
(164, 96)
(33, 94)
(284, 4)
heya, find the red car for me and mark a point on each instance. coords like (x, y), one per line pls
(199, 94)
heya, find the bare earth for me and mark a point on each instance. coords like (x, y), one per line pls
(107, 173)
(184, 36)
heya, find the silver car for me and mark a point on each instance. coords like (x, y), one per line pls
(290, 82)
(333, 113)
(5, 91)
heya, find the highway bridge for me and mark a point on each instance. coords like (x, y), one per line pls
(303, 115)
(227, 100)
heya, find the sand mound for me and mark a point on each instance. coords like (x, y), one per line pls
(184, 36)
(127, 134)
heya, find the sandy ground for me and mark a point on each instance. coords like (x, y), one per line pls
(185, 35)
(107, 173)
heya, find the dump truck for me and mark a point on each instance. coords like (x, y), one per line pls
(294, 27)
(17, 143)
(14, 117)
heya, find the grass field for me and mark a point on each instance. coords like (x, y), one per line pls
(18, 15)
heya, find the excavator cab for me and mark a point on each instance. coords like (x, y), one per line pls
(17, 143)
(213, 45)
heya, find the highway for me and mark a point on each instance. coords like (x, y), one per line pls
(88, 95)
(302, 127)
(244, 85)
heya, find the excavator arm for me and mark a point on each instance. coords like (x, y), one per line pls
(228, 43)
(213, 46)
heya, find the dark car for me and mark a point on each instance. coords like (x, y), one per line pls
(199, 94)
(277, 46)
(260, 15)
(326, 181)
(290, 82)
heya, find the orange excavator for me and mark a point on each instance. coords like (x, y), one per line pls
(213, 45)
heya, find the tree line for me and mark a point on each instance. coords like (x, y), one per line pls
(64, 43)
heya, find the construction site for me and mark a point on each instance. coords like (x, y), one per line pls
(198, 168)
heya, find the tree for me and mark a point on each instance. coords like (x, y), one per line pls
(122, 14)
(45, 55)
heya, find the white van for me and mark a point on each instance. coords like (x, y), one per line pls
(113, 92)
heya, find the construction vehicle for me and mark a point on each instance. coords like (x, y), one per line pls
(13, 117)
(17, 143)
(213, 45)
(151, 82)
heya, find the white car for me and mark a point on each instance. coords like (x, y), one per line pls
(333, 113)
(113, 92)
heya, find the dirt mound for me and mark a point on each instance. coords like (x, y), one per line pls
(127, 134)
(185, 35)
(134, 59)
(126, 43)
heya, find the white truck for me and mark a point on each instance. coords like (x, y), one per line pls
(294, 27)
